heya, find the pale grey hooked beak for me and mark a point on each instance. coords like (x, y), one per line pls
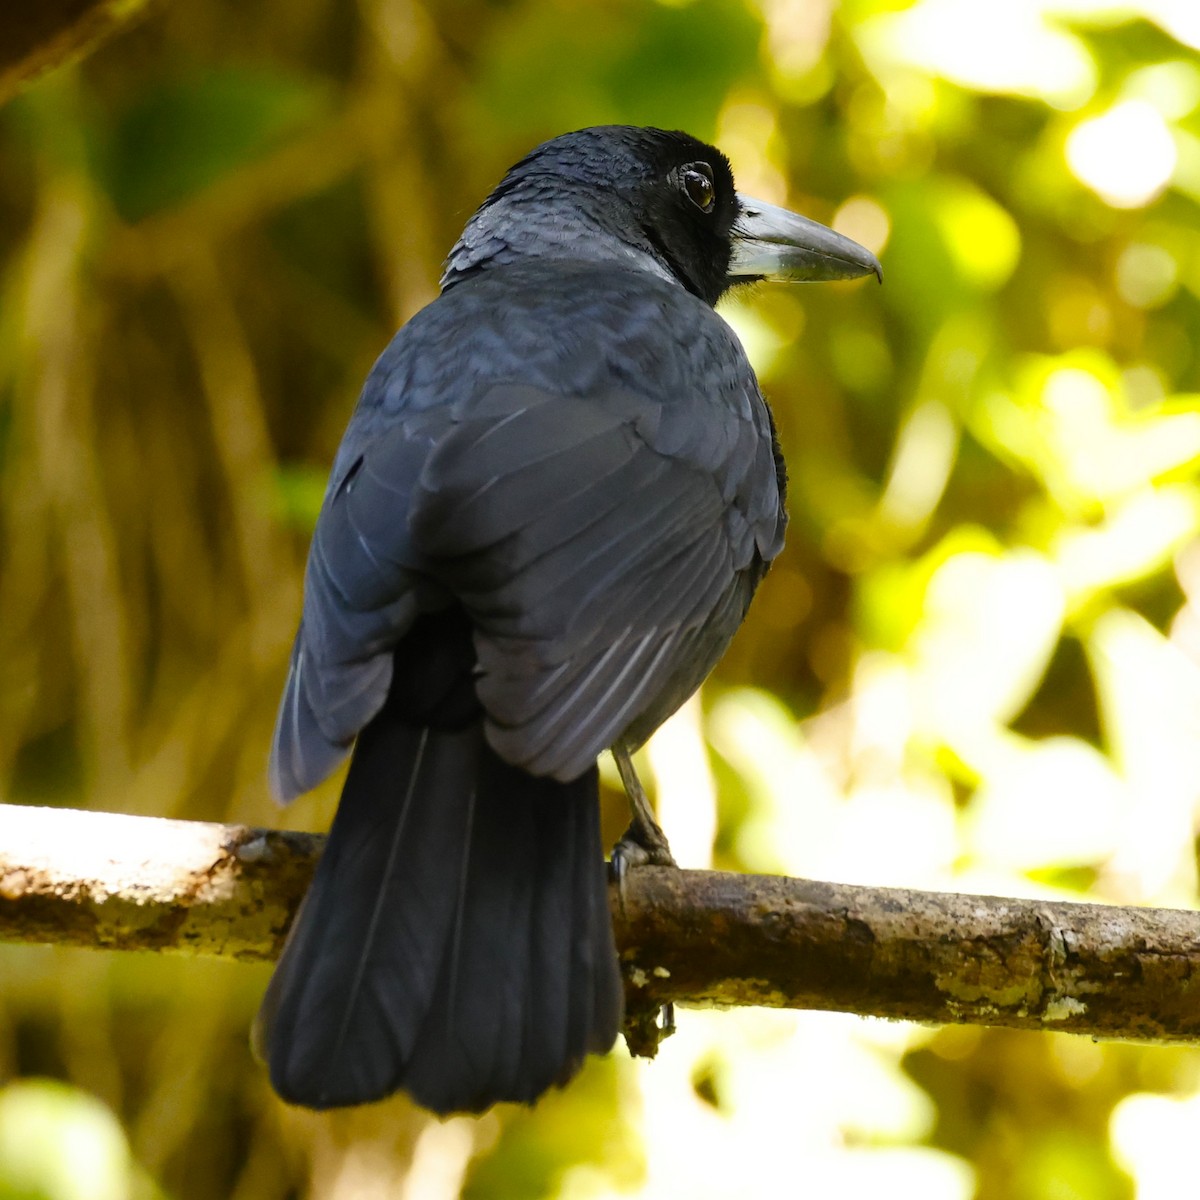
(772, 243)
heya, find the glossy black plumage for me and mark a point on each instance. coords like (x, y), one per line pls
(545, 522)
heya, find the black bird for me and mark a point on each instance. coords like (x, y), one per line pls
(553, 503)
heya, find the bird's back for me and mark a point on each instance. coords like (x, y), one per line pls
(512, 369)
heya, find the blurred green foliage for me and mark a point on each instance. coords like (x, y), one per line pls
(976, 667)
(175, 139)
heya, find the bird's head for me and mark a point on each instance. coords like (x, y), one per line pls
(662, 200)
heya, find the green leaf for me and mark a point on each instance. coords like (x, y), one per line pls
(183, 136)
(665, 65)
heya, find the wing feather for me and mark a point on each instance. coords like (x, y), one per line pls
(590, 563)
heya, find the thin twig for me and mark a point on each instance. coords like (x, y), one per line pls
(36, 37)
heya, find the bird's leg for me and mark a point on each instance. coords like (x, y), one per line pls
(644, 842)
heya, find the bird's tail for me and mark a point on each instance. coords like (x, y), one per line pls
(455, 942)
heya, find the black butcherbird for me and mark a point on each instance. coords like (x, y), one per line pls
(546, 520)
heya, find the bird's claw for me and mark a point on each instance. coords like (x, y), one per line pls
(667, 1020)
(643, 847)
(640, 846)
(645, 1029)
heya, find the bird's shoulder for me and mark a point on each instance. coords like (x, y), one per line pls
(597, 331)
(561, 326)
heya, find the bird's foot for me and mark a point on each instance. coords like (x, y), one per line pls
(642, 846)
(645, 1029)
(643, 843)
(638, 847)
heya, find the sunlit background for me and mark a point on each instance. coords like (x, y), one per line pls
(977, 666)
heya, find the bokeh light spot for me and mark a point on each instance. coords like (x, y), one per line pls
(1147, 275)
(996, 47)
(1126, 155)
(1172, 87)
(866, 221)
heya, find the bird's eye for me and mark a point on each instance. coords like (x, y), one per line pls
(697, 182)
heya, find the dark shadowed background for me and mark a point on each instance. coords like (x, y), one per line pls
(975, 668)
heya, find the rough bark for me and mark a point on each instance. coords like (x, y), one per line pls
(690, 937)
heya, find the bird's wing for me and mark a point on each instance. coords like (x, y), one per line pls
(363, 588)
(601, 552)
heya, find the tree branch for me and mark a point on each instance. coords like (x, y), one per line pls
(38, 35)
(693, 937)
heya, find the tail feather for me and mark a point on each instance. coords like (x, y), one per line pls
(455, 942)
(548, 1048)
(602, 1005)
